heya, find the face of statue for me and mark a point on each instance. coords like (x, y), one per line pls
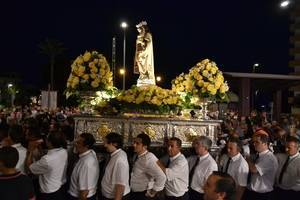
(141, 29)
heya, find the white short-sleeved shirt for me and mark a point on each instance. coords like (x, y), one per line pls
(116, 172)
(264, 179)
(146, 171)
(85, 174)
(291, 177)
(238, 168)
(177, 176)
(51, 169)
(22, 156)
(204, 168)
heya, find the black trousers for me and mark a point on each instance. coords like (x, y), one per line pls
(57, 195)
(183, 197)
(70, 197)
(126, 197)
(251, 195)
(281, 194)
(194, 195)
(138, 195)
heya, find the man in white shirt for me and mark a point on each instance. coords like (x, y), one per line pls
(288, 173)
(262, 169)
(147, 178)
(235, 165)
(201, 166)
(220, 186)
(15, 135)
(51, 168)
(177, 172)
(115, 182)
(85, 175)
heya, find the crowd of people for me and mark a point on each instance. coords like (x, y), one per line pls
(41, 159)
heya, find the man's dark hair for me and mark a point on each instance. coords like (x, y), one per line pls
(115, 138)
(225, 184)
(178, 141)
(264, 138)
(9, 157)
(237, 141)
(15, 132)
(292, 139)
(57, 139)
(88, 139)
(146, 141)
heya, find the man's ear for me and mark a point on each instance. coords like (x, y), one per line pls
(221, 195)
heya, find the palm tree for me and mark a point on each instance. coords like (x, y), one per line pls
(51, 48)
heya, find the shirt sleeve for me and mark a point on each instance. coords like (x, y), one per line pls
(157, 174)
(86, 175)
(176, 170)
(265, 166)
(40, 166)
(242, 175)
(121, 174)
(213, 167)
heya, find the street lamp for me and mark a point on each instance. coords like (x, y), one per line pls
(256, 65)
(284, 4)
(124, 26)
(122, 71)
(158, 78)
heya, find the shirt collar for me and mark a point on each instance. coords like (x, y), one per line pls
(115, 152)
(203, 157)
(16, 145)
(54, 150)
(294, 156)
(263, 152)
(85, 153)
(143, 154)
(174, 157)
(236, 157)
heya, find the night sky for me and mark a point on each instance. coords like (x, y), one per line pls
(236, 34)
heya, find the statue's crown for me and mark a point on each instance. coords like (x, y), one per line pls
(142, 23)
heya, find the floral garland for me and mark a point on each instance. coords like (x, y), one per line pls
(149, 98)
(204, 80)
(89, 72)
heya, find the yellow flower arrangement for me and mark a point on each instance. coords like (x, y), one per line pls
(204, 80)
(149, 98)
(89, 72)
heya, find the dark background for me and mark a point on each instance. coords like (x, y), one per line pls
(235, 34)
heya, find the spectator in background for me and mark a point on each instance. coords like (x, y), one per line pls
(3, 135)
(13, 184)
(16, 137)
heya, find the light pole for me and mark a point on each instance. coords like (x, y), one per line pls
(124, 26)
(11, 90)
(256, 65)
